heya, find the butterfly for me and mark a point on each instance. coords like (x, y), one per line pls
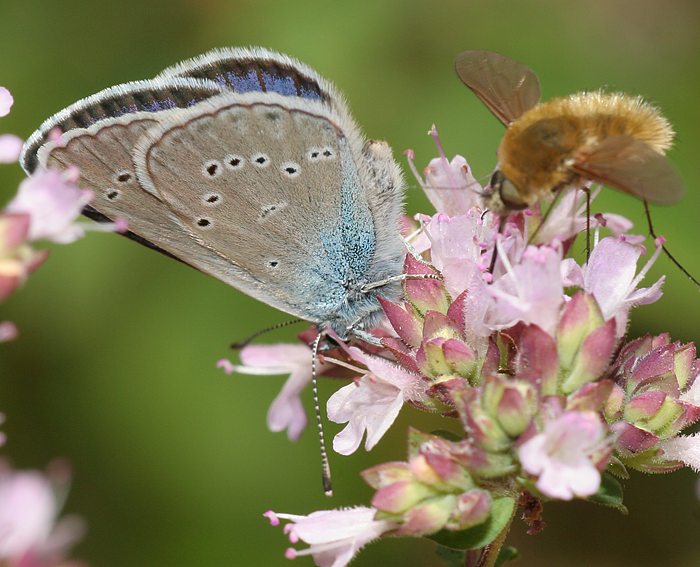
(246, 165)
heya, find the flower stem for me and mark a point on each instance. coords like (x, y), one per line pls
(490, 553)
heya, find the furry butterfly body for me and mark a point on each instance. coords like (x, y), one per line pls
(246, 165)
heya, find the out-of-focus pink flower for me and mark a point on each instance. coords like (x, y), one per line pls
(10, 148)
(372, 403)
(17, 258)
(6, 101)
(449, 185)
(53, 202)
(8, 331)
(30, 535)
(531, 291)
(334, 536)
(611, 276)
(286, 411)
(562, 455)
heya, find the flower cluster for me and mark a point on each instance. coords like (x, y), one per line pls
(526, 348)
(45, 207)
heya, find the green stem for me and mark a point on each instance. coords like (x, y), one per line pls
(491, 552)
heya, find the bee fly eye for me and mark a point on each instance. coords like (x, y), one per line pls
(497, 180)
(510, 195)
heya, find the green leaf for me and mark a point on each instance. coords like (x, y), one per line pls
(451, 557)
(617, 468)
(483, 534)
(609, 493)
(507, 554)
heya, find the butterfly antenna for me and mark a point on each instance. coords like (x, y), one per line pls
(240, 344)
(325, 466)
(663, 247)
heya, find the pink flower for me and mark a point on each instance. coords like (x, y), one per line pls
(449, 185)
(334, 536)
(10, 148)
(8, 331)
(53, 202)
(6, 101)
(10, 145)
(562, 455)
(17, 258)
(372, 403)
(456, 248)
(611, 276)
(29, 533)
(286, 411)
(531, 291)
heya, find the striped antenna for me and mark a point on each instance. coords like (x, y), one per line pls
(240, 344)
(325, 466)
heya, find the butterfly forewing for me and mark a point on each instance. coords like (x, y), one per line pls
(634, 167)
(508, 88)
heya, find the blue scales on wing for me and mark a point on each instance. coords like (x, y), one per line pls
(253, 70)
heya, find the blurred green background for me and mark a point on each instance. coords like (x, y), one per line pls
(115, 366)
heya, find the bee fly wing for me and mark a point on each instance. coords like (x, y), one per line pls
(634, 167)
(506, 87)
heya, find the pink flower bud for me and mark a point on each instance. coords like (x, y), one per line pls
(471, 509)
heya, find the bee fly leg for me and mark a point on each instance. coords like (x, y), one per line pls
(663, 247)
(494, 256)
(587, 191)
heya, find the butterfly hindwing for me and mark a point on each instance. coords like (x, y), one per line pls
(140, 96)
(273, 187)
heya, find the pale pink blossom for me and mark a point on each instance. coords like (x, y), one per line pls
(611, 276)
(372, 403)
(449, 185)
(456, 248)
(286, 412)
(334, 536)
(6, 101)
(30, 535)
(53, 202)
(684, 448)
(531, 291)
(10, 148)
(562, 456)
